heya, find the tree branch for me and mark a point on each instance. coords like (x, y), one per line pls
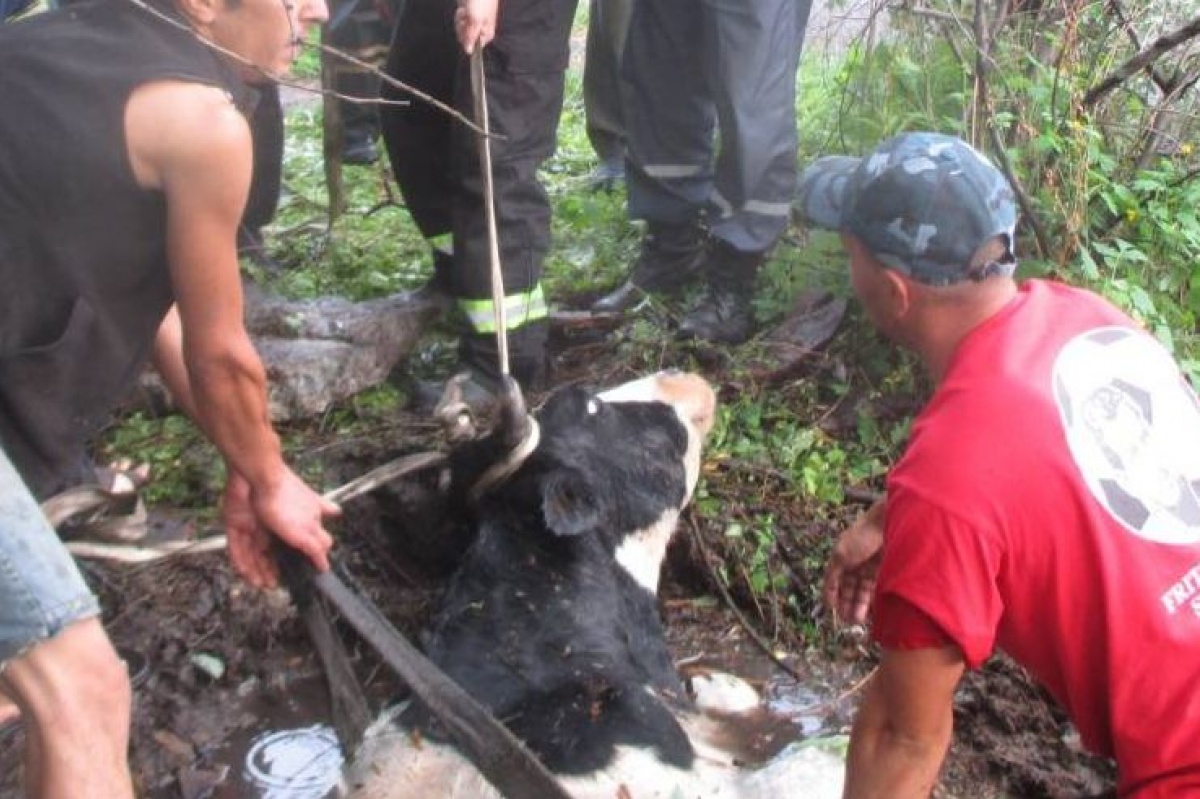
(1118, 11)
(1141, 60)
(388, 79)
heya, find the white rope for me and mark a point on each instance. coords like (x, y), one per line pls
(127, 553)
(497, 473)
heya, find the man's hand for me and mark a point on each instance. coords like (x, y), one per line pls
(475, 23)
(850, 574)
(291, 510)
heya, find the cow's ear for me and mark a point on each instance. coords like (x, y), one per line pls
(568, 504)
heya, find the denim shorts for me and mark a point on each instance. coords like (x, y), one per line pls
(41, 589)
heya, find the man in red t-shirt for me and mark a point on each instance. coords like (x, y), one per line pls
(1048, 503)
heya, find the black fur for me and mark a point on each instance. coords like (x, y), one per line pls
(540, 623)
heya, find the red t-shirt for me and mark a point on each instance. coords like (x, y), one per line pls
(1049, 504)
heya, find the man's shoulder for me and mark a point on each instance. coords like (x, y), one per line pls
(171, 121)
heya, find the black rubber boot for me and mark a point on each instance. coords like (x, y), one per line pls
(669, 261)
(725, 313)
(478, 356)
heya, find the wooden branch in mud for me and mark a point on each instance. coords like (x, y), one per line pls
(332, 139)
(584, 320)
(127, 553)
(1146, 58)
(755, 636)
(385, 474)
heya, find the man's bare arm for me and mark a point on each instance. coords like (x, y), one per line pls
(168, 362)
(904, 725)
(192, 143)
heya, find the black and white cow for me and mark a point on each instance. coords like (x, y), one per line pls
(552, 623)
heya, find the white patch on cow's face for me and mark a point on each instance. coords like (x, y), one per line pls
(694, 402)
(692, 399)
(641, 554)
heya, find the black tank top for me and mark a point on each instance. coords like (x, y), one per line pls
(84, 283)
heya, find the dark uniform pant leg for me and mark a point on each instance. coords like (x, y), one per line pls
(692, 67)
(360, 28)
(266, 133)
(436, 161)
(608, 21)
(753, 54)
(424, 55)
(669, 115)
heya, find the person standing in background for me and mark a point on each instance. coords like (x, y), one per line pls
(710, 112)
(608, 21)
(436, 163)
(360, 28)
(266, 179)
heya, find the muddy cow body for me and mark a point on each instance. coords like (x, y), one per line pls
(551, 621)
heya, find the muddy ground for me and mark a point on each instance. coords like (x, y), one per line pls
(215, 664)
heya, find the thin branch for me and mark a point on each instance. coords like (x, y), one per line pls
(831, 704)
(1039, 233)
(754, 634)
(1126, 24)
(388, 79)
(1191, 175)
(383, 76)
(1153, 135)
(983, 44)
(929, 13)
(1145, 58)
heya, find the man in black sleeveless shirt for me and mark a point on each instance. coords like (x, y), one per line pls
(124, 167)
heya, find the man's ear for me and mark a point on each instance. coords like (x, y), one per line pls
(899, 294)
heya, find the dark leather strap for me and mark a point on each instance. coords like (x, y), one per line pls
(499, 755)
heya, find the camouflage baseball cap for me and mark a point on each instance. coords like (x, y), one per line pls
(922, 203)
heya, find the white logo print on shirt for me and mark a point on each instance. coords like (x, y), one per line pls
(1133, 427)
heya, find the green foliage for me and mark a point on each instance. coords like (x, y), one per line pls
(848, 103)
(185, 469)
(372, 250)
(308, 63)
(1144, 247)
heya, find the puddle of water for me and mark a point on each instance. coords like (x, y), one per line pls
(303, 763)
(800, 703)
(818, 705)
(293, 753)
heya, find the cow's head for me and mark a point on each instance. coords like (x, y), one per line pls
(622, 464)
(558, 587)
